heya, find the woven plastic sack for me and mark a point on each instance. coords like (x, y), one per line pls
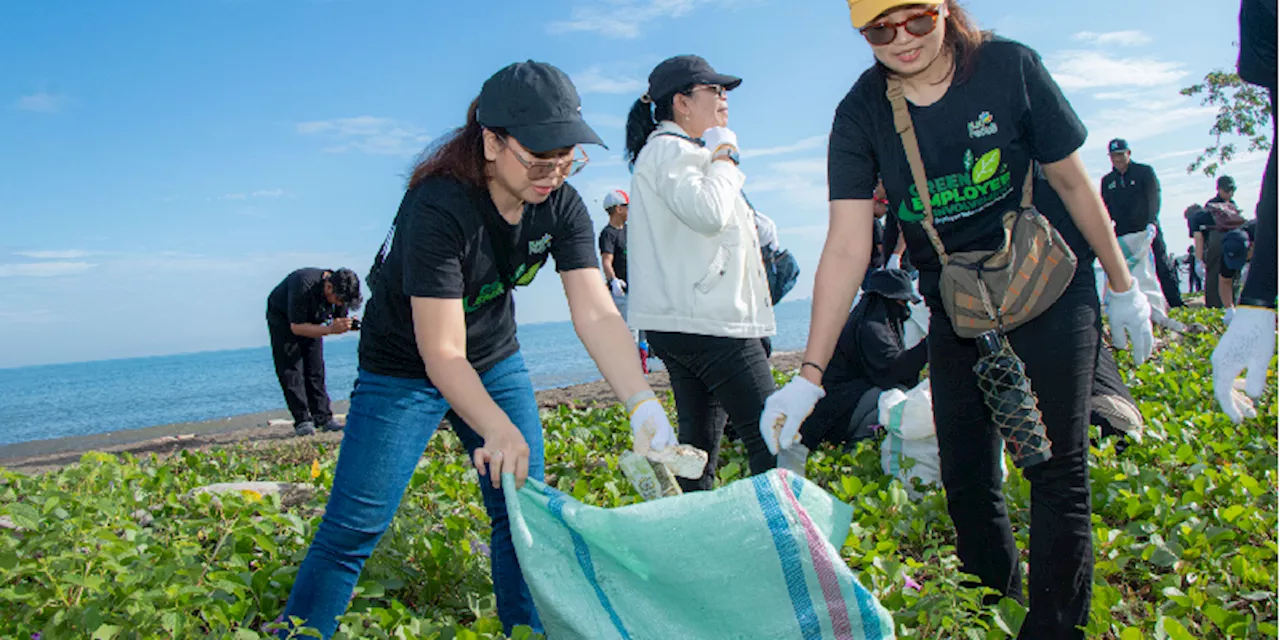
(758, 558)
(908, 421)
(1136, 248)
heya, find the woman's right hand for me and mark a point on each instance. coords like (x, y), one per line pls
(504, 451)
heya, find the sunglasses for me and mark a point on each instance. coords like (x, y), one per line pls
(719, 90)
(540, 169)
(919, 25)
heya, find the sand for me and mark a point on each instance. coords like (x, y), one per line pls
(266, 428)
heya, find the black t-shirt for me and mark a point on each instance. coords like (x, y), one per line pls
(299, 299)
(614, 241)
(1132, 198)
(977, 142)
(442, 249)
(1257, 61)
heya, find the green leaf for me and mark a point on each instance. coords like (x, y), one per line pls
(1175, 629)
(25, 516)
(106, 632)
(986, 166)
(1131, 633)
(1009, 615)
(8, 560)
(1232, 512)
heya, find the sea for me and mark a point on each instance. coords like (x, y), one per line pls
(86, 398)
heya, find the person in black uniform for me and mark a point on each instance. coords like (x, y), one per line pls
(870, 358)
(1132, 195)
(1209, 242)
(1250, 340)
(306, 306)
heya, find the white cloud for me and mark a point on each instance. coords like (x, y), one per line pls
(806, 144)
(624, 18)
(596, 80)
(368, 134)
(43, 269)
(1116, 38)
(1080, 69)
(67, 254)
(261, 193)
(40, 102)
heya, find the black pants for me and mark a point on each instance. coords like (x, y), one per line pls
(1212, 269)
(1193, 278)
(1260, 286)
(1165, 272)
(1060, 349)
(715, 379)
(300, 368)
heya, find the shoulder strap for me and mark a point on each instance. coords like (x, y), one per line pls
(902, 122)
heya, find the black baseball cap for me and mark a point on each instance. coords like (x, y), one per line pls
(1227, 182)
(1235, 249)
(538, 105)
(894, 284)
(1117, 145)
(674, 74)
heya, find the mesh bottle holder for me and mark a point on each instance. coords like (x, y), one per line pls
(1006, 390)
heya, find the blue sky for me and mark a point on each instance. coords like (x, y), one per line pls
(164, 164)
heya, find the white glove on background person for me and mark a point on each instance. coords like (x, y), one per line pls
(894, 262)
(1129, 314)
(1200, 271)
(1248, 344)
(619, 287)
(717, 136)
(793, 402)
(650, 428)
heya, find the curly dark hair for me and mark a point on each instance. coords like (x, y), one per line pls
(346, 286)
(458, 154)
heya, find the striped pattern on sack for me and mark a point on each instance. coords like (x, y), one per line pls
(789, 555)
(555, 504)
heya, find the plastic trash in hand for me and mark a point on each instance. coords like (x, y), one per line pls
(793, 458)
(1002, 377)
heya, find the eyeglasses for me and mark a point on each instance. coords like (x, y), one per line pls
(719, 90)
(919, 25)
(539, 169)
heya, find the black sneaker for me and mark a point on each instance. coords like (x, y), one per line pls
(304, 428)
(331, 425)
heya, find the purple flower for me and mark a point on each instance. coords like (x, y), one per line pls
(35, 636)
(910, 583)
(481, 548)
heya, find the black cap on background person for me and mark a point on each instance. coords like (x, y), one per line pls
(538, 105)
(676, 73)
(1117, 145)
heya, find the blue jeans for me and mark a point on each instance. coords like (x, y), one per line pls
(389, 424)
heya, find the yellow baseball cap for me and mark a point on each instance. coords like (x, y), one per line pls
(862, 12)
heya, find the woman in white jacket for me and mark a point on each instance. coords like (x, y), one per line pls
(698, 287)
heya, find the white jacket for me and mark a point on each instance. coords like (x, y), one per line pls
(693, 255)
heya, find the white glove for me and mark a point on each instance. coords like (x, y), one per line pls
(650, 428)
(717, 136)
(1248, 344)
(793, 402)
(894, 262)
(618, 286)
(1129, 314)
(1228, 315)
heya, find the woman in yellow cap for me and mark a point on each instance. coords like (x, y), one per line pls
(982, 109)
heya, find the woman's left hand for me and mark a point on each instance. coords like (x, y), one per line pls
(650, 427)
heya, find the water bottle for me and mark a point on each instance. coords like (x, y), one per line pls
(1006, 390)
(793, 458)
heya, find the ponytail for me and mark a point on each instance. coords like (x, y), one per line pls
(643, 120)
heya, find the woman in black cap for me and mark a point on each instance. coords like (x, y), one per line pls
(484, 209)
(980, 110)
(698, 287)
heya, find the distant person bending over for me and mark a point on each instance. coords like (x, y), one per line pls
(699, 288)
(1250, 341)
(306, 306)
(1237, 248)
(484, 210)
(1209, 229)
(1132, 195)
(870, 358)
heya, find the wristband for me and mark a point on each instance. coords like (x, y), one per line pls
(635, 400)
(806, 363)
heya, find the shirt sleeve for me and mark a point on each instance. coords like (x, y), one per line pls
(852, 167)
(1152, 191)
(606, 241)
(432, 245)
(1051, 127)
(301, 302)
(703, 196)
(571, 246)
